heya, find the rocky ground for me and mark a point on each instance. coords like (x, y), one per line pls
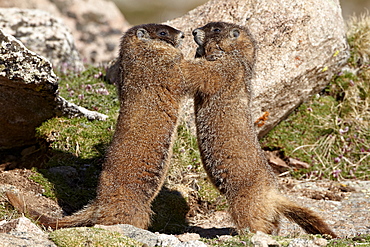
(344, 205)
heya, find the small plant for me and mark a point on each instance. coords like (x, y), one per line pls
(44, 182)
(185, 158)
(7, 212)
(185, 149)
(86, 88)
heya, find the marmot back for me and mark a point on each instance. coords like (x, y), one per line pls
(229, 147)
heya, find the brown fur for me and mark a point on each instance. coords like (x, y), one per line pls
(151, 91)
(230, 151)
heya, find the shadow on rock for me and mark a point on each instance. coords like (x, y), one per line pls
(212, 232)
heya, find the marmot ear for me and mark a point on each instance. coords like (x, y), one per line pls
(234, 33)
(142, 33)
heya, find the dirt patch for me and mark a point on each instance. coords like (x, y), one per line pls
(18, 180)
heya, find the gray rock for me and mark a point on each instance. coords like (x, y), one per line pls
(301, 45)
(320, 241)
(21, 224)
(150, 238)
(186, 237)
(28, 94)
(28, 88)
(298, 242)
(43, 34)
(22, 232)
(143, 236)
(68, 109)
(261, 239)
(96, 25)
(22, 239)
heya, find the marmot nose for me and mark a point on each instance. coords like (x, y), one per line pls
(196, 32)
(182, 35)
(199, 36)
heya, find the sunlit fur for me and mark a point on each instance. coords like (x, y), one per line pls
(229, 148)
(151, 90)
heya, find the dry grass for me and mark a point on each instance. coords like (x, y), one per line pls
(359, 37)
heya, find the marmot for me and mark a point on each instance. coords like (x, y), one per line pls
(151, 92)
(229, 147)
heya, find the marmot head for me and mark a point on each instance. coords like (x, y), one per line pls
(219, 38)
(148, 32)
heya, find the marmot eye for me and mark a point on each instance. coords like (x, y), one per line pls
(216, 30)
(163, 33)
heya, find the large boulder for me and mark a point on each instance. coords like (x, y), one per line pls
(301, 45)
(28, 94)
(96, 25)
(44, 34)
(28, 88)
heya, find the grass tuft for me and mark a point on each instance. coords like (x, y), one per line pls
(332, 130)
(358, 35)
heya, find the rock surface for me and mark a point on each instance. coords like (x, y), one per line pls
(96, 25)
(301, 45)
(261, 239)
(28, 87)
(150, 238)
(28, 94)
(22, 232)
(43, 34)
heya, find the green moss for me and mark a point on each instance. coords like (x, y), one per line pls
(78, 136)
(83, 236)
(44, 182)
(295, 133)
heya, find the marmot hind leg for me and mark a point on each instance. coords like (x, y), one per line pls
(254, 214)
